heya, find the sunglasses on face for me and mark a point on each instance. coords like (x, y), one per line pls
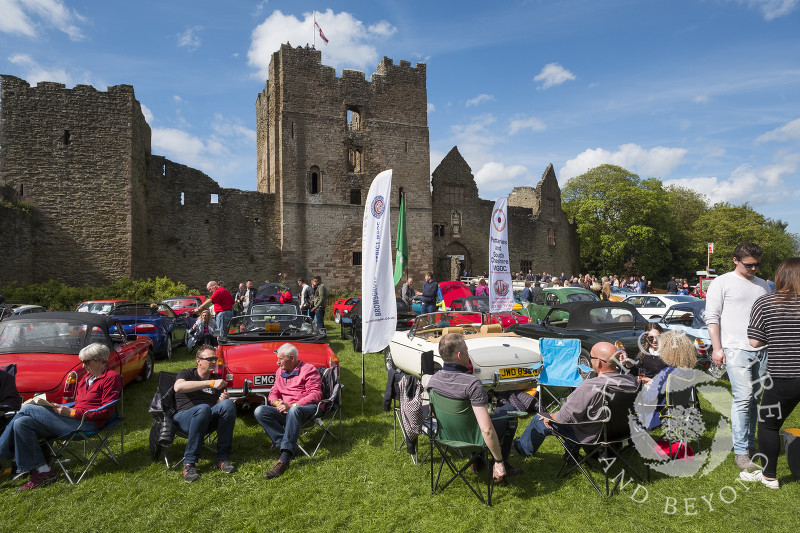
(653, 338)
(209, 359)
(750, 266)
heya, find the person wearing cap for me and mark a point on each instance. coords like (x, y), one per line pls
(583, 405)
(291, 402)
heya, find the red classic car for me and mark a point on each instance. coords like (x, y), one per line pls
(340, 306)
(45, 348)
(183, 304)
(480, 304)
(452, 290)
(247, 348)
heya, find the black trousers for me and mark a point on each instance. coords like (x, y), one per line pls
(777, 404)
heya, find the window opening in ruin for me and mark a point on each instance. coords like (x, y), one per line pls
(438, 230)
(182, 198)
(66, 137)
(255, 220)
(314, 180)
(551, 237)
(526, 265)
(406, 146)
(292, 130)
(214, 198)
(355, 161)
(551, 205)
(356, 258)
(353, 119)
(453, 194)
(21, 190)
(163, 170)
(355, 196)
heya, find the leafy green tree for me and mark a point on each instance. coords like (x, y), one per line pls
(620, 221)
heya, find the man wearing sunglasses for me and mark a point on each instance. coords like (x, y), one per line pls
(202, 402)
(729, 299)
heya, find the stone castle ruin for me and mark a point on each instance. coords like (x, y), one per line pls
(104, 206)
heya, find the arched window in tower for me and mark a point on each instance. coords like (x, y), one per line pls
(355, 160)
(314, 180)
(353, 119)
(551, 237)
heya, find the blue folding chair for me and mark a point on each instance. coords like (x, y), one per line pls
(94, 442)
(559, 367)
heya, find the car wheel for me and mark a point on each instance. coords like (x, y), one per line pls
(147, 369)
(168, 349)
(387, 359)
(185, 338)
(337, 317)
(586, 360)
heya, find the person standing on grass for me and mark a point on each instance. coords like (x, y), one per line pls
(223, 305)
(775, 321)
(729, 300)
(320, 299)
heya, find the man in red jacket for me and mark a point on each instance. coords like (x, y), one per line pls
(292, 400)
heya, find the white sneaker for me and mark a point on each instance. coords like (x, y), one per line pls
(758, 476)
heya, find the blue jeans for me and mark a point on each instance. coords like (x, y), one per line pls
(745, 371)
(535, 433)
(200, 420)
(221, 320)
(505, 427)
(20, 440)
(319, 317)
(284, 429)
(428, 307)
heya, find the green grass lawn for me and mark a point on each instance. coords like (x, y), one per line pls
(363, 484)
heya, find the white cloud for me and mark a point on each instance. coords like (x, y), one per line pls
(211, 155)
(497, 175)
(656, 162)
(771, 9)
(431, 107)
(24, 17)
(227, 127)
(520, 124)
(479, 99)
(747, 184)
(190, 39)
(553, 74)
(33, 73)
(700, 99)
(788, 132)
(351, 43)
(148, 115)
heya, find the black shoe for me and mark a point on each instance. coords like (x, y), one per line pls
(226, 467)
(190, 473)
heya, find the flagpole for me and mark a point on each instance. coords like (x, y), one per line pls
(314, 31)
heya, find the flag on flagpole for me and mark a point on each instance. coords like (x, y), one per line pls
(401, 243)
(501, 297)
(321, 35)
(378, 303)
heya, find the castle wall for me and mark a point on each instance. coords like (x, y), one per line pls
(232, 240)
(71, 158)
(16, 236)
(310, 130)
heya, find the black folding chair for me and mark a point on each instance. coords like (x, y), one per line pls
(329, 409)
(164, 428)
(10, 400)
(612, 442)
(93, 442)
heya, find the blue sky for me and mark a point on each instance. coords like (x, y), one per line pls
(702, 93)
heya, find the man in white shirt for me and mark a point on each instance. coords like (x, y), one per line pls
(729, 299)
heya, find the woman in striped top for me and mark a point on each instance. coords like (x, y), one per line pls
(775, 321)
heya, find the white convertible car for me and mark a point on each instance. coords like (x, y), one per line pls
(502, 361)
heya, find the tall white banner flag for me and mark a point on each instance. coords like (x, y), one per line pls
(501, 297)
(378, 304)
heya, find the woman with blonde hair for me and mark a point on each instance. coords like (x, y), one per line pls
(678, 353)
(203, 331)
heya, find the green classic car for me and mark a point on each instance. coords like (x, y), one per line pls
(553, 296)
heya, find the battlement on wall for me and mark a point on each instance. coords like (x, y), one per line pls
(12, 83)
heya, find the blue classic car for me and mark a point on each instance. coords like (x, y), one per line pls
(157, 321)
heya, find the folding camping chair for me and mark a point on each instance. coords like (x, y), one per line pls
(165, 429)
(677, 416)
(559, 368)
(93, 442)
(458, 434)
(329, 409)
(10, 400)
(409, 414)
(612, 441)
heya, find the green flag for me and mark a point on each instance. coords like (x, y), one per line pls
(401, 243)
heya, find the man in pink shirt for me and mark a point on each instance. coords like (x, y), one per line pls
(292, 400)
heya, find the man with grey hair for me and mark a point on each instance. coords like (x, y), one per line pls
(455, 381)
(291, 402)
(223, 305)
(99, 386)
(202, 403)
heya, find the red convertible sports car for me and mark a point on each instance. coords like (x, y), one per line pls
(340, 306)
(480, 304)
(45, 348)
(247, 349)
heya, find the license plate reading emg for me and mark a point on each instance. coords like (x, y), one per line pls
(260, 381)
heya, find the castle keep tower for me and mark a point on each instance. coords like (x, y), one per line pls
(321, 140)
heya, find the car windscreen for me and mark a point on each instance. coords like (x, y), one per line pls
(283, 326)
(96, 307)
(582, 297)
(682, 298)
(187, 302)
(270, 309)
(611, 316)
(50, 336)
